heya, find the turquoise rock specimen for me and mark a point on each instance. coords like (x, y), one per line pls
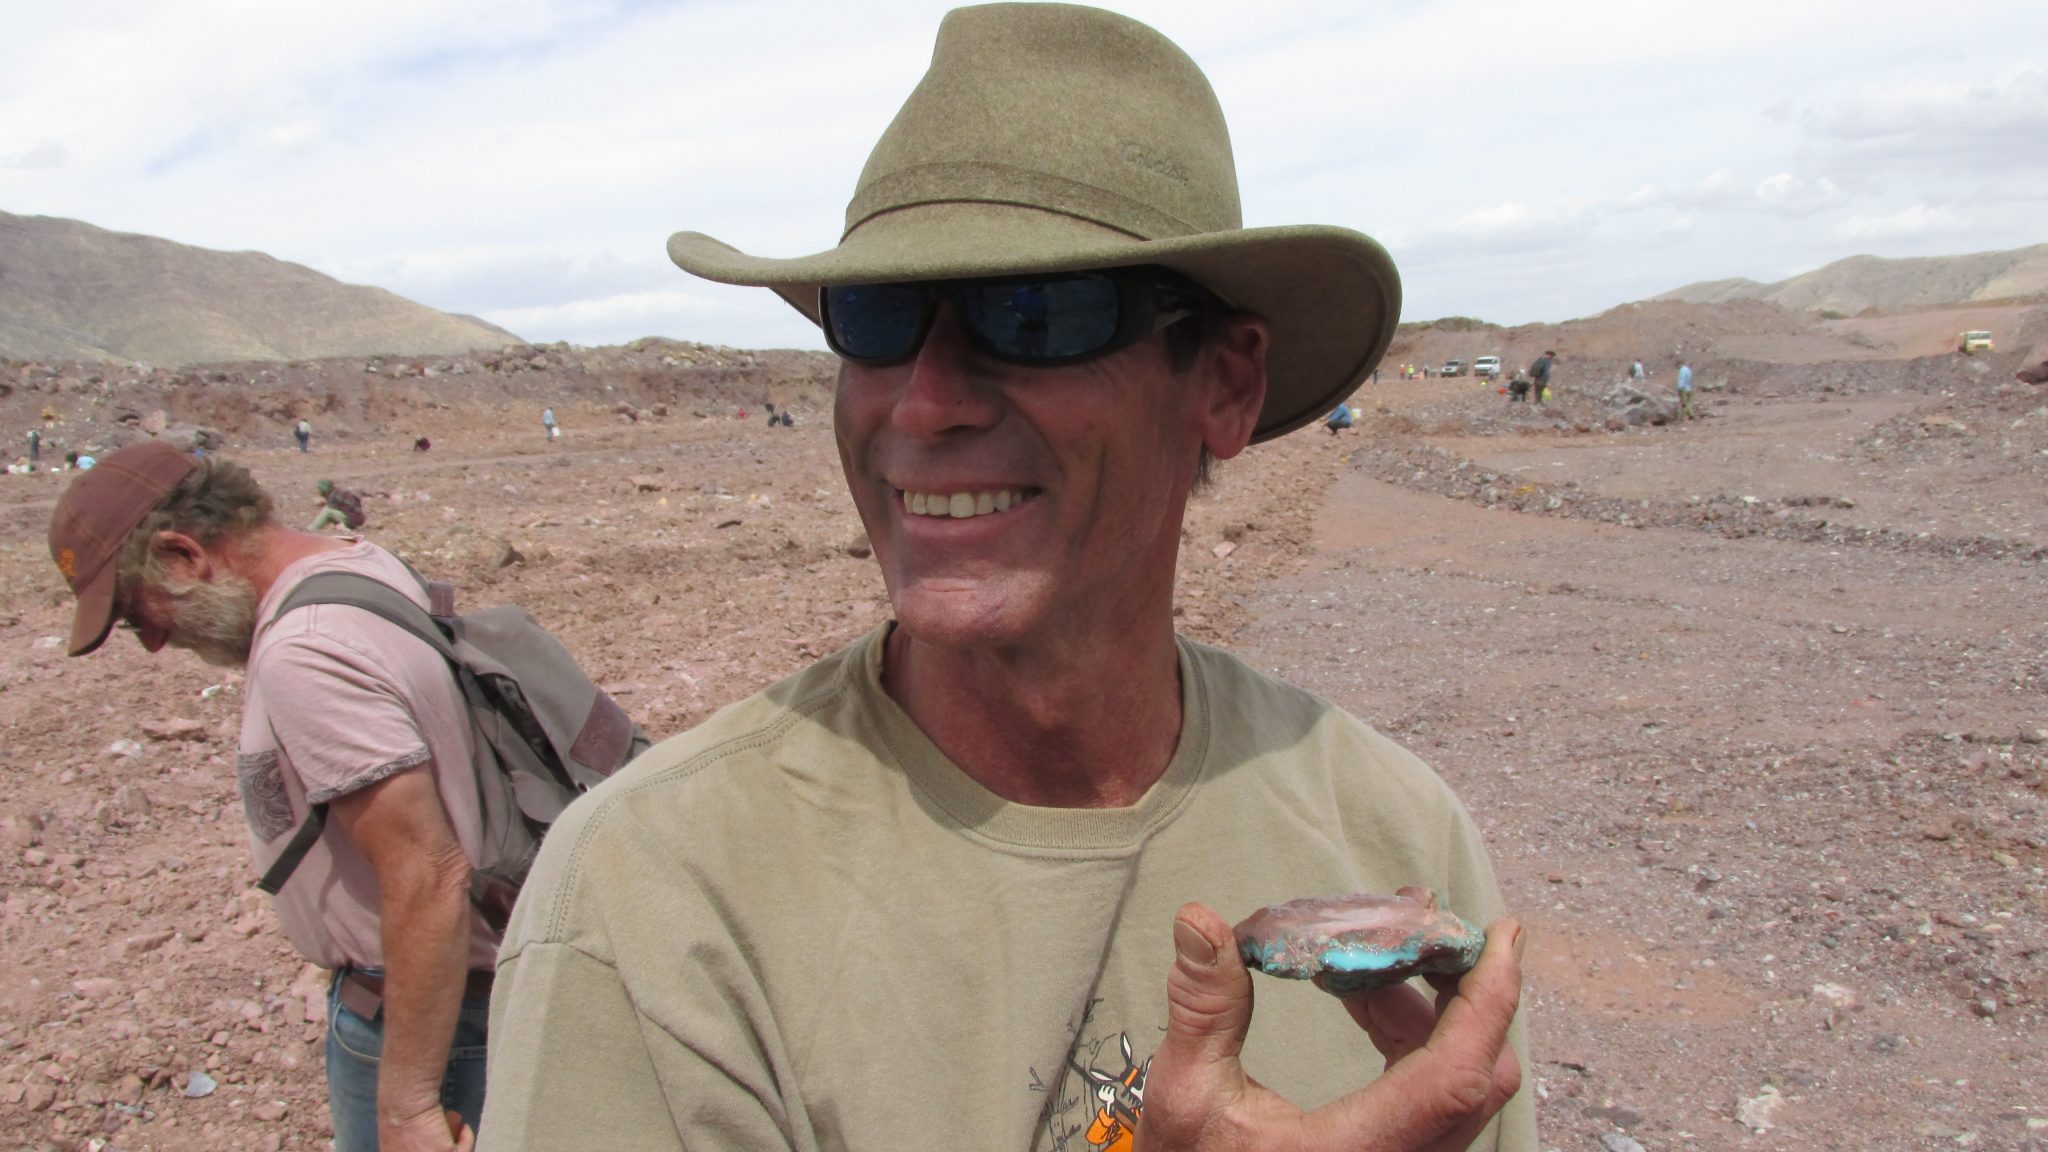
(1346, 944)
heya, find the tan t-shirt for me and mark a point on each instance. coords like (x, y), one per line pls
(799, 926)
(340, 698)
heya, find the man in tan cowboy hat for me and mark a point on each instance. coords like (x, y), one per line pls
(959, 885)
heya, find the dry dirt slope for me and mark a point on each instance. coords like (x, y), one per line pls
(69, 290)
(1849, 286)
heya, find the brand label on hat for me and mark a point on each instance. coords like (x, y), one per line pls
(67, 563)
(1139, 156)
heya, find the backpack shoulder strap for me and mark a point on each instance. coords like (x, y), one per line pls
(373, 596)
(387, 602)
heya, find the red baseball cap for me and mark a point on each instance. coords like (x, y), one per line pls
(94, 518)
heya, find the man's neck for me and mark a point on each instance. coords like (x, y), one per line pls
(1086, 725)
(263, 555)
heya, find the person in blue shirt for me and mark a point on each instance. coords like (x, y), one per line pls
(1684, 390)
(1340, 419)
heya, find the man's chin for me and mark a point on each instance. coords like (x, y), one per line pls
(963, 617)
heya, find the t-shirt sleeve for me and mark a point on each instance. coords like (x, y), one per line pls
(570, 1065)
(340, 715)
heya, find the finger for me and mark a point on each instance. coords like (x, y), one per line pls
(1399, 1019)
(1208, 992)
(1449, 1083)
(455, 1124)
(465, 1140)
(1195, 1076)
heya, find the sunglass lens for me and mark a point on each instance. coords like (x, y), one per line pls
(875, 321)
(1043, 319)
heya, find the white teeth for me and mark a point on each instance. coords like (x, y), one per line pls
(962, 505)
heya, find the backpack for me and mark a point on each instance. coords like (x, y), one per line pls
(544, 732)
(349, 505)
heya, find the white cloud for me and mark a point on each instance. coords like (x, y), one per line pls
(42, 154)
(1795, 196)
(1907, 223)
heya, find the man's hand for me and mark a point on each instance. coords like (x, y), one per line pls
(430, 1131)
(1449, 1068)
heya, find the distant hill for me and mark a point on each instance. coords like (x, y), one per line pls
(1859, 282)
(69, 290)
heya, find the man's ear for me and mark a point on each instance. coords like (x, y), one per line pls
(183, 558)
(1235, 358)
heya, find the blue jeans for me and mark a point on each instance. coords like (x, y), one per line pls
(353, 1047)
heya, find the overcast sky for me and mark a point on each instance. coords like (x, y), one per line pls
(525, 160)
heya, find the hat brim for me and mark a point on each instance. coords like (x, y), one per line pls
(94, 620)
(1331, 295)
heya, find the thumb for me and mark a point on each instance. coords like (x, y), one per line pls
(1208, 993)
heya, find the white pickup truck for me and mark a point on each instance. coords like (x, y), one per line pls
(1487, 366)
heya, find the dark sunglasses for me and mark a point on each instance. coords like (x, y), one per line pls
(1038, 320)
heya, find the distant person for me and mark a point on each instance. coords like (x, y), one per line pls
(2038, 374)
(1635, 370)
(422, 444)
(343, 507)
(35, 447)
(303, 433)
(340, 707)
(1518, 388)
(78, 462)
(547, 424)
(1539, 377)
(1685, 390)
(1340, 419)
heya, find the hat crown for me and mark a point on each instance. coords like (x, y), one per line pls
(1062, 108)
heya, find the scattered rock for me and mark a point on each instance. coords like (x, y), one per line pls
(174, 730)
(124, 747)
(198, 1085)
(1755, 1112)
(860, 548)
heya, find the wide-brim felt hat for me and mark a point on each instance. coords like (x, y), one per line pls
(1051, 138)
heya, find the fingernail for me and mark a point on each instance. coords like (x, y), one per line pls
(1192, 946)
(1521, 942)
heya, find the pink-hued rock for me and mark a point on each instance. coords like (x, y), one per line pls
(1346, 944)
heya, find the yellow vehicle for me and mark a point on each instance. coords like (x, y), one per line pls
(1974, 342)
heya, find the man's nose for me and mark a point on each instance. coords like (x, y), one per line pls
(949, 387)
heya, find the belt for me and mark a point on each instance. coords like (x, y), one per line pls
(363, 992)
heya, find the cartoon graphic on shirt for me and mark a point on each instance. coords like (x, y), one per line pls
(1119, 1098)
(1094, 1101)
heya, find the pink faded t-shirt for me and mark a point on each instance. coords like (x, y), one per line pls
(339, 699)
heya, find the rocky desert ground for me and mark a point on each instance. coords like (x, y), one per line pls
(1753, 708)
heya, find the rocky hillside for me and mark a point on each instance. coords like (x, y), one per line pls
(71, 291)
(1860, 282)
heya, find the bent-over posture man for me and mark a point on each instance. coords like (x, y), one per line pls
(345, 709)
(969, 882)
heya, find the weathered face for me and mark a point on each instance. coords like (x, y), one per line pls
(1009, 505)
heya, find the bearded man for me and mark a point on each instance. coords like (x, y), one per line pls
(346, 710)
(956, 886)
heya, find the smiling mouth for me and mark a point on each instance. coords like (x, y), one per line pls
(965, 505)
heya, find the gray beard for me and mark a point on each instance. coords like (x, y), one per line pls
(214, 620)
